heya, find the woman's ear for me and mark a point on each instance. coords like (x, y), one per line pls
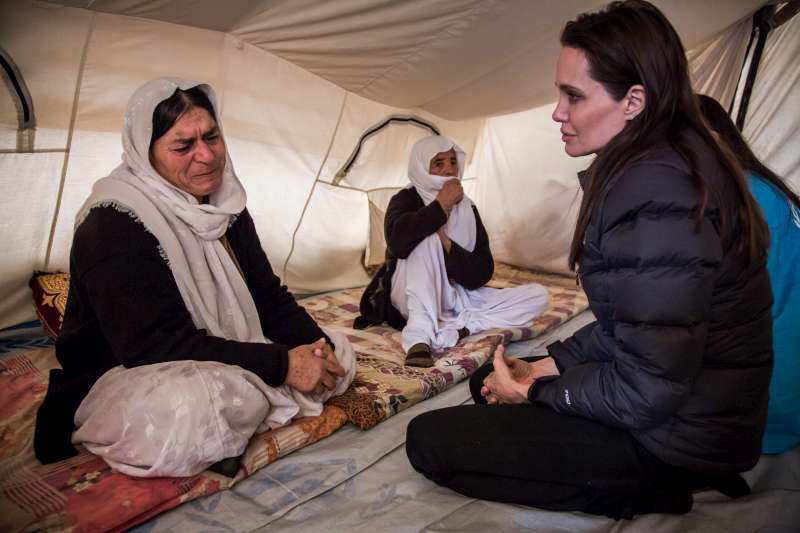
(636, 100)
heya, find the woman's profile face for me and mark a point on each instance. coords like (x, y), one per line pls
(588, 115)
(191, 155)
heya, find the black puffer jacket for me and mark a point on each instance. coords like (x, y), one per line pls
(681, 353)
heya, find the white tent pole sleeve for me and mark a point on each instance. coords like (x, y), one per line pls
(78, 83)
(314, 186)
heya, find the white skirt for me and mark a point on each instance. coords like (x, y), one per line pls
(435, 309)
(178, 418)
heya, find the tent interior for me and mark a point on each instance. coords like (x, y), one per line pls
(320, 103)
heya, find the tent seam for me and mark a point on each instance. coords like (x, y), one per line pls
(34, 151)
(475, 12)
(313, 187)
(70, 132)
(483, 75)
(376, 189)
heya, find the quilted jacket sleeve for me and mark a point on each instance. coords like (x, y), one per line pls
(657, 276)
(583, 346)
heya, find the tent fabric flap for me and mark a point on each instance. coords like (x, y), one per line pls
(299, 85)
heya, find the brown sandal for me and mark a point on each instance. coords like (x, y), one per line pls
(419, 355)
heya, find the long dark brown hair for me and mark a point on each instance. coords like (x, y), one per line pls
(632, 43)
(719, 121)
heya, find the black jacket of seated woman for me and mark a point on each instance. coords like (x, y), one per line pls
(667, 391)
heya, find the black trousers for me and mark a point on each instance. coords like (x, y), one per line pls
(531, 455)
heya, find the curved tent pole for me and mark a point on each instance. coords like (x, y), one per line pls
(784, 14)
(758, 38)
(26, 118)
(408, 119)
(765, 20)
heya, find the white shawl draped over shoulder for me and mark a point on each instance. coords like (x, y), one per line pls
(188, 232)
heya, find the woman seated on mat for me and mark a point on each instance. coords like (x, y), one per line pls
(667, 391)
(781, 207)
(437, 262)
(178, 342)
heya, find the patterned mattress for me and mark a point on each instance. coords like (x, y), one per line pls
(84, 494)
(383, 386)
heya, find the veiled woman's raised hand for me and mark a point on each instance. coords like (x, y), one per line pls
(450, 194)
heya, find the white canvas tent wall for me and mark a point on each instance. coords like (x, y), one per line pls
(300, 81)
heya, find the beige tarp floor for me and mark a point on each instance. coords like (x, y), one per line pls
(362, 481)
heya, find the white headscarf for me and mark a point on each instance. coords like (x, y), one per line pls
(461, 222)
(188, 232)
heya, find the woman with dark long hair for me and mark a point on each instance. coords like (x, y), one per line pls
(667, 391)
(781, 207)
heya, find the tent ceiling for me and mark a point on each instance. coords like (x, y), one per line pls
(455, 58)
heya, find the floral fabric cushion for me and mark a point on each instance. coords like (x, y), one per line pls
(50, 299)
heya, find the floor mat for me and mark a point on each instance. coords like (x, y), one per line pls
(383, 386)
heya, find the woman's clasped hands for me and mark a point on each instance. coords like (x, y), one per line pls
(313, 367)
(511, 379)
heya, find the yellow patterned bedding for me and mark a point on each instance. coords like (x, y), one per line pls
(84, 494)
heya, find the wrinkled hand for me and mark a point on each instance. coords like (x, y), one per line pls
(327, 353)
(446, 242)
(511, 378)
(313, 367)
(450, 194)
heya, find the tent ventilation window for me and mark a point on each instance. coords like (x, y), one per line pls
(18, 90)
(408, 119)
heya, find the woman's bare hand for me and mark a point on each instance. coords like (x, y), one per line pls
(511, 378)
(450, 194)
(309, 372)
(446, 242)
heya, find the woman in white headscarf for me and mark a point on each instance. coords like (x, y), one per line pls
(178, 342)
(437, 261)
